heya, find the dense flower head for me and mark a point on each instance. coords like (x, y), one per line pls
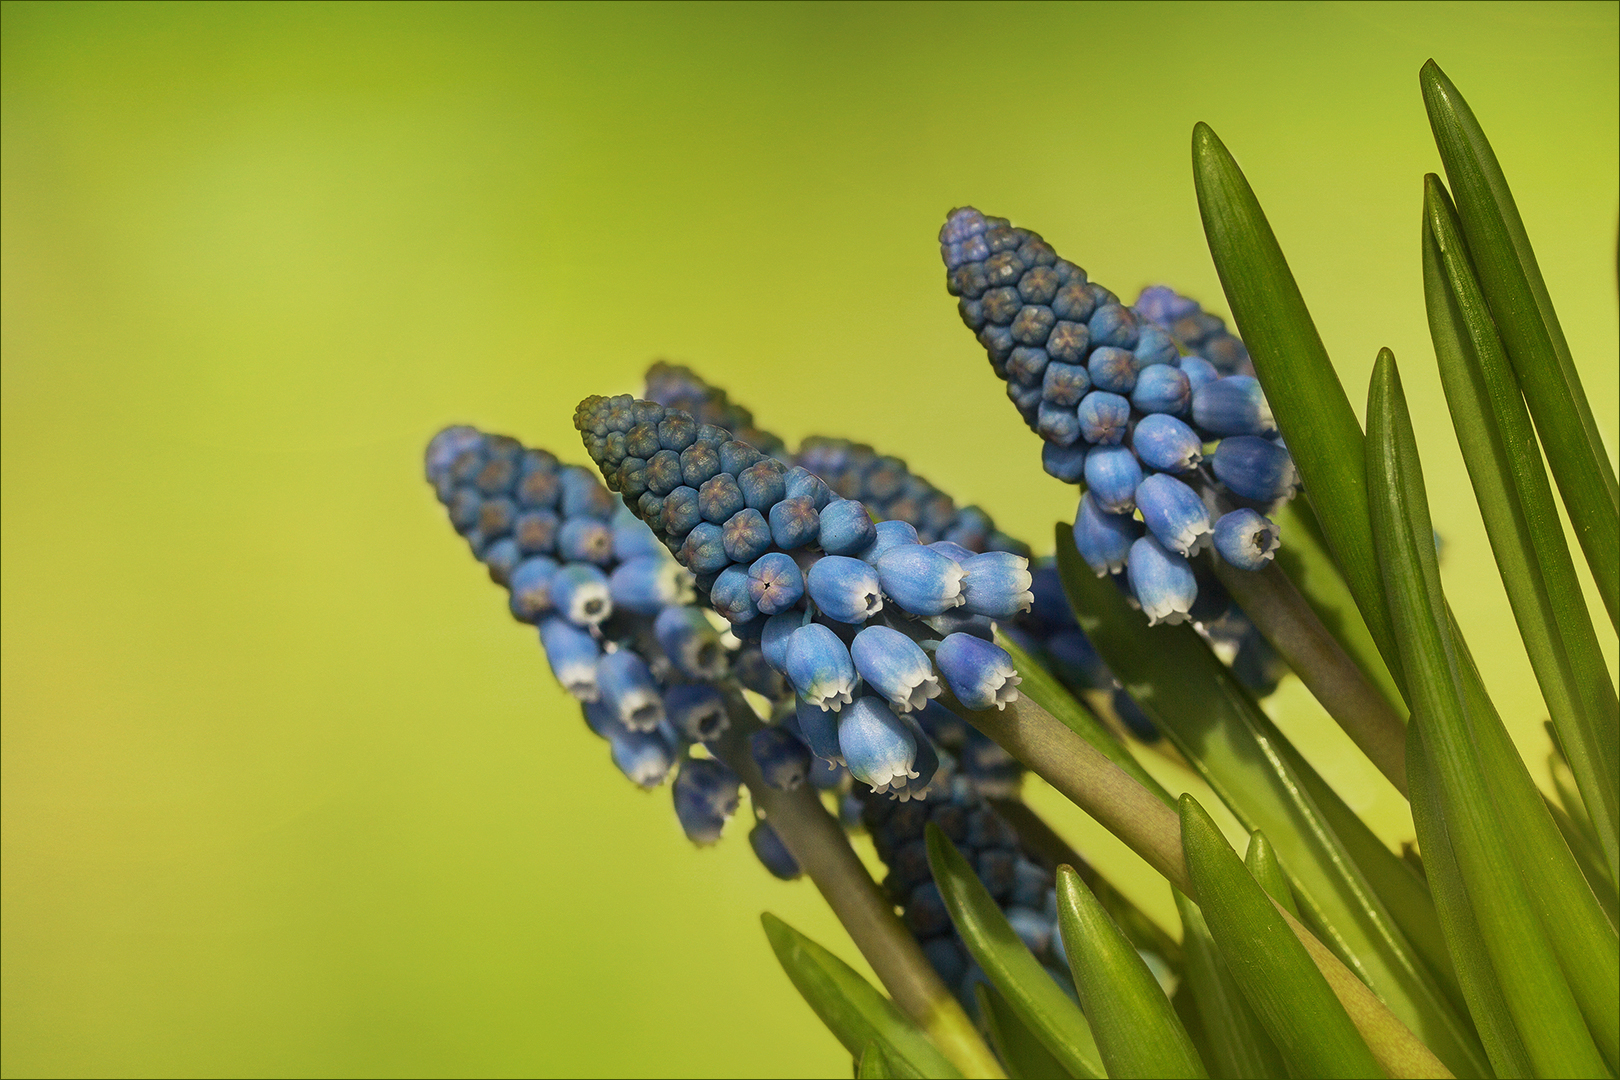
(676, 386)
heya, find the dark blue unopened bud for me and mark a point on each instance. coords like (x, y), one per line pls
(819, 729)
(1112, 474)
(1165, 443)
(719, 497)
(580, 594)
(1058, 424)
(681, 513)
(704, 549)
(745, 535)
(645, 757)
(1104, 417)
(583, 495)
(1173, 513)
(1162, 580)
(1246, 539)
(530, 583)
(736, 457)
(1103, 539)
(763, 484)
(844, 589)
(980, 673)
(1113, 369)
(996, 584)
(774, 583)
(1199, 372)
(877, 747)
(1066, 463)
(1026, 365)
(730, 595)
(690, 641)
(890, 534)
(783, 760)
(649, 583)
(601, 720)
(1113, 324)
(1162, 389)
(772, 853)
(502, 558)
(699, 464)
(1234, 405)
(919, 580)
(629, 689)
(846, 527)
(572, 654)
(706, 795)
(663, 473)
(801, 483)
(895, 666)
(820, 668)
(1065, 384)
(631, 538)
(1155, 346)
(1255, 468)
(794, 523)
(773, 637)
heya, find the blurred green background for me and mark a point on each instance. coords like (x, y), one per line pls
(285, 791)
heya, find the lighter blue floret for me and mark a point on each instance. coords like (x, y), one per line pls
(878, 748)
(690, 641)
(895, 666)
(696, 710)
(772, 853)
(1199, 372)
(819, 728)
(706, 795)
(844, 589)
(920, 581)
(1155, 347)
(645, 757)
(649, 583)
(773, 637)
(1255, 468)
(730, 595)
(1104, 540)
(801, 483)
(1246, 539)
(996, 584)
(1066, 463)
(1112, 475)
(584, 539)
(1162, 581)
(1173, 513)
(775, 583)
(1234, 405)
(580, 593)
(980, 673)
(1162, 389)
(572, 654)
(820, 668)
(629, 689)
(530, 585)
(1166, 443)
(890, 534)
(846, 528)
(1103, 417)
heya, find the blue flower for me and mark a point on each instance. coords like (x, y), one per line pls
(773, 637)
(1104, 417)
(1065, 384)
(699, 464)
(706, 795)
(783, 760)
(1066, 463)
(631, 538)
(719, 497)
(996, 584)
(795, 522)
(919, 580)
(732, 595)
(819, 729)
(846, 527)
(530, 582)
(1234, 405)
(601, 720)
(844, 589)
(890, 534)
(572, 654)
(704, 549)
(925, 764)
(1113, 324)
(580, 593)
(820, 668)
(696, 710)
(1163, 442)
(801, 483)
(1112, 474)
(1112, 369)
(775, 583)
(1103, 539)
(583, 539)
(1162, 389)
(1174, 513)
(878, 748)
(628, 689)
(1255, 468)
(645, 757)
(689, 640)
(1162, 581)
(649, 583)
(1199, 372)
(980, 673)
(771, 852)
(745, 536)
(1246, 539)
(1154, 347)
(895, 666)
(680, 512)
(763, 484)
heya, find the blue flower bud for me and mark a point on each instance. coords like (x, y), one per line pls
(1113, 324)
(719, 497)
(763, 484)
(1174, 513)
(952, 550)
(980, 673)
(921, 581)
(1057, 423)
(649, 583)
(773, 637)
(819, 666)
(794, 523)
(704, 549)
(890, 534)
(1065, 384)
(601, 720)
(690, 641)
(801, 483)
(745, 536)
(1112, 369)
(783, 760)
(628, 689)
(996, 584)
(1103, 539)
(895, 666)
(819, 729)
(1103, 417)
(772, 853)
(925, 764)
(878, 748)
(775, 583)
(681, 512)
(697, 711)
(583, 495)
(731, 595)
(1246, 539)
(1154, 347)
(1165, 443)
(736, 456)
(1066, 463)
(706, 795)
(1234, 405)
(663, 474)
(580, 593)
(1026, 365)
(572, 654)
(1162, 581)
(844, 589)
(502, 558)
(1199, 372)
(536, 532)
(530, 583)
(1112, 474)
(846, 527)
(699, 464)
(631, 538)
(1255, 468)
(645, 757)
(1162, 389)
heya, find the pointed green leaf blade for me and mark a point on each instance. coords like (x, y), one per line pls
(1262, 864)
(873, 1064)
(1025, 1057)
(1043, 1007)
(1136, 1028)
(1293, 1001)
(1239, 1046)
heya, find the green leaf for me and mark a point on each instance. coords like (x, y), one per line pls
(1312, 411)
(1043, 1007)
(874, 1064)
(1239, 1046)
(1276, 975)
(1523, 312)
(1537, 995)
(1227, 737)
(1025, 1057)
(1261, 861)
(852, 1008)
(1521, 519)
(1135, 1026)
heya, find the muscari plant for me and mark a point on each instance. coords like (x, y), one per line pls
(832, 632)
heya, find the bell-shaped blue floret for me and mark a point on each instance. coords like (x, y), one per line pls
(745, 536)
(772, 853)
(583, 539)
(844, 589)
(1174, 513)
(1103, 417)
(706, 795)
(980, 673)
(1066, 463)
(1162, 581)
(1162, 389)
(801, 483)
(530, 582)
(649, 583)
(819, 729)
(601, 720)
(730, 595)
(572, 654)
(1104, 540)
(1255, 468)
(704, 549)
(502, 558)
(952, 550)
(795, 522)
(1112, 475)
(925, 764)
(878, 748)
(1166, 443)
(820, 668)
(996, 584)
(846, 528)
(645, 757)
(783, 760)
(691, 642)
(773, 637)
(1234, 405)
(580, 593)
(775, 583)
(632, 538)
(1199, 372)
(920, 581)
(1246, 539)
(697, 711)
(629, 689)
(890, 534)
(895, 666)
